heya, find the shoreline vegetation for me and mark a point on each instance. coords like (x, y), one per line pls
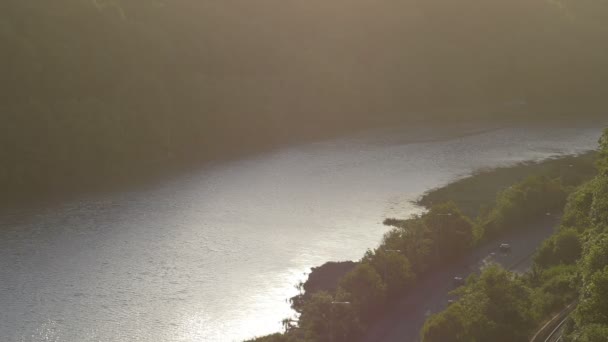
(460, 216)
(569, 268)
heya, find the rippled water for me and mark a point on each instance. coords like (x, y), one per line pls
(213, 256)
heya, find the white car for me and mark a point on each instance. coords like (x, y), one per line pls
(505, 248)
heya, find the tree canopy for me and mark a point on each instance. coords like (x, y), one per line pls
(97, 91)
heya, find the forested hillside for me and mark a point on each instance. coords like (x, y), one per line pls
(570, 267)
(98, 90)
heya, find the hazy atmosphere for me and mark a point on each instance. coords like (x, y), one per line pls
(301, 171)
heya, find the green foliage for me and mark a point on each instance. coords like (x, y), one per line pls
(572, 263)
(415, 241)
(596, 255)
(599, 207)
(453, 232)
(593, 305)
(555, 288)
(563, 248)
(578, 207)
(567, 246)
(515, 205)
(493, 307)
(448, 326)
(323, 319)
(394, 269)
(364, 289)
(431, 239)
(593, 333)
(477, 193)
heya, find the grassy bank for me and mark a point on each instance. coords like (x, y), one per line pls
(475, 193)
(460, 216)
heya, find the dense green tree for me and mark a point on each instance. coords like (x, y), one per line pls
(453, 232)
(596, 255)
(364, 289)
(493, 307)
(567, 246)
(593, 305)
(507, 308)
(394, 269)
(578, 207)
(533, 197)
(593, 333)
(414, 239)
(562, 248)
(553, 289)
(324, 318)
(448, 326)
(599, 206)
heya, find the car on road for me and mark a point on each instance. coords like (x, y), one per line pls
(505, 248)
(458, 281)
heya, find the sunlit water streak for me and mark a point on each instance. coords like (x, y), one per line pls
(213, 256)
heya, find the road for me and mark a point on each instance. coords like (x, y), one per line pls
(404, 322)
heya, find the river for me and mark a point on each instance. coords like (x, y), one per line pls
(214, 254)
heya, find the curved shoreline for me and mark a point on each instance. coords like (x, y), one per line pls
(327, 276)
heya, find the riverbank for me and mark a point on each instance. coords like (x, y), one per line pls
(568, 268)
(470, 194)
(264, 220)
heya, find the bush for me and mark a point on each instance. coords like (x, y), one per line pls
(413, 239)
(323, 320)
(593, 333)
(596, 255)
(555, 288)
(493, 307)
(578, 207)
(364, 289)
(599, 206)
(530, 198)
(593, 306)
(452, 231)
(394, 269)
(448, 326)
(563, 248)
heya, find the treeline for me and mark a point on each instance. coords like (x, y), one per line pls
(477, 194)
(571, 265)
(413, 248)
(416, 247)
(98, 90)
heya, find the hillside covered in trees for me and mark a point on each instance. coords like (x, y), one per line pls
(102, 89)
(571, 267)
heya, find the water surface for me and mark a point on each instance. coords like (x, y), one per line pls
(213, 256)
